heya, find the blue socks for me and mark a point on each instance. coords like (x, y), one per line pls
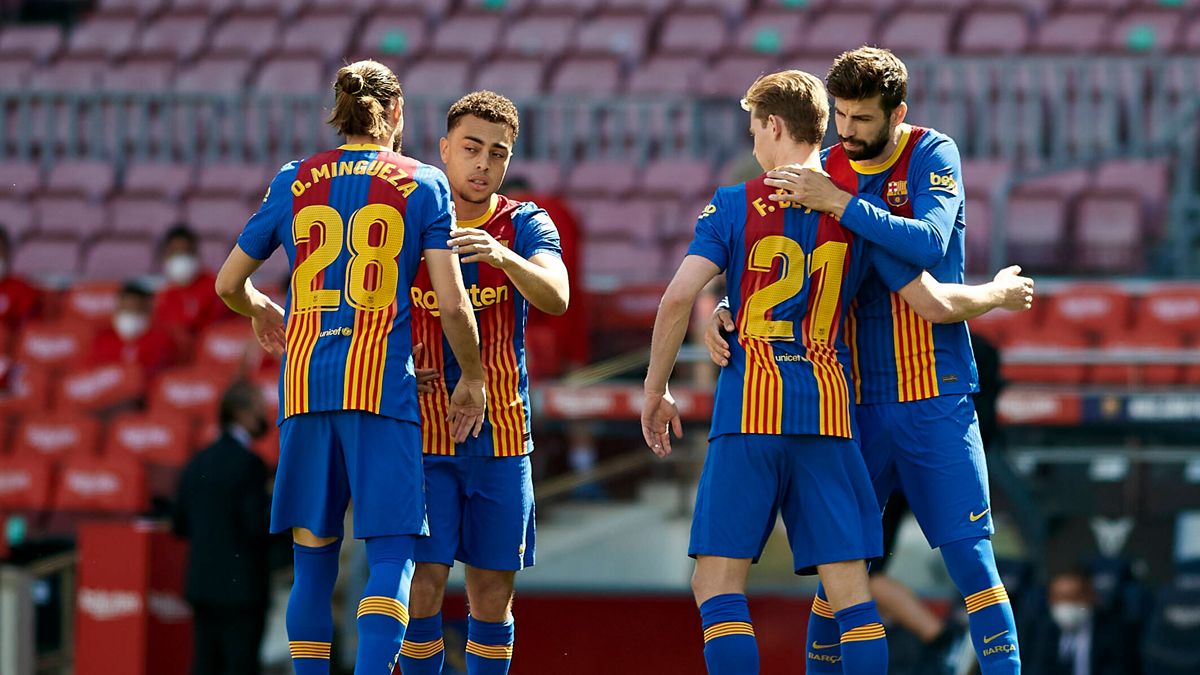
(309, 611)
(864, 642)
(489, 646)
(424, 651)
(729, 644)
(383, 611)
(823, 644)
(972, 566)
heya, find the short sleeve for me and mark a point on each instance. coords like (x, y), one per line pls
(537, 234)
(260, 237)
(711, 239)
(433, 206)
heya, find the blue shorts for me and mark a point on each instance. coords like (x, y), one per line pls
(481, 512)
(328, 458)
(930, 450)
(819, 483)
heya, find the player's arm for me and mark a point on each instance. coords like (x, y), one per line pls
(541, 278)
(939, 302)
(921, 240)
(462, 333)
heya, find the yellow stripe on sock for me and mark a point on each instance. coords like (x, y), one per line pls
(822, 608)
(498, 652)
(301, 649)
(728, 628)
(986, 598)
(377, 604)
(423, 650)
(871, 631)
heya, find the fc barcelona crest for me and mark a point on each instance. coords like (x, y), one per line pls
(897, 193)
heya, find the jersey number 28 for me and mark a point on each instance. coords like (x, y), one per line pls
(363, 256)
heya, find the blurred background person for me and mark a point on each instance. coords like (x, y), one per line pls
(133, 338)
(18, 299)
(186, 305)
(1076, 637)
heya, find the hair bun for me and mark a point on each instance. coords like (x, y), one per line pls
(350, 83)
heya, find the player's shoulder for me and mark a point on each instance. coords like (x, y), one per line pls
(523, 212)
(932, 141)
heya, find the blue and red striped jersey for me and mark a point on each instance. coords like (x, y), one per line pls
(501, 312)
(791, 274)
(353, 222)
(897, 355)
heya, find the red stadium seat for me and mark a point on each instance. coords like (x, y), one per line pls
(91, 304)
(138, 8)
(1141, 375)
(290, 75)
(232, 179)
(47, 257)
(983, 177)
(229, 346)
(56, 436)
(979, 237)
(543, 176)
(24, 391)
(733, 9)
(630, 220)
(39, 43)
(71, 73)
(622, 35)
(219, 216)
(166, 181)
(698, 35)
(605, 177)
(156, 438)
(99, 388)
(829, 34)
(1162, 27)
(918, 32)
(214, 251)
(144, 75)
(19, 179)
(1109, 232)
(622, 260)
(141, 216)
(473, 35)
(175, 36)
(18, 218)
(732, 76)
(770, 33)
(68, 216)
(666, 75)
(506, 8)
(53, 344)
(563, 6)
(631, 307)
(284, 9)
(994, 31)
(92, 179)
(678, 179)
(1077, 32)
(194, 392)
(119, 259)
(1037, 229)
(326, 35)
(999, 325)
(247, 36)
(1169, 309)
(14, 74)
(210, 8)
(594, 76)
(113, 485)
(108, 37)
(405, 36)
(25, 483)
(544, 37)
(512, 77)
(1054, 339)
(1093, 309)
(438, 77)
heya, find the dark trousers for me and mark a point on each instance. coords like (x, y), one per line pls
(227, 639)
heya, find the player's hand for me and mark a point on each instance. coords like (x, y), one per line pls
(468, 404)
(714, 338)
(269, 327)
(1017, 290)
(425, 376)
(660, 417)
(477, 246)
(809, 188)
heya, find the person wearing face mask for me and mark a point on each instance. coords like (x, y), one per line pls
(18, 300)
(223, 509)
(133, 338)
(186, 305)
(1076, 637)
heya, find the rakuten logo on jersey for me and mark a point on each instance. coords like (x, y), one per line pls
(108, 605)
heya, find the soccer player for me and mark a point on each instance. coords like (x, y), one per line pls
(914, 379)
(782, 429)
(480, 492)
(355, 222)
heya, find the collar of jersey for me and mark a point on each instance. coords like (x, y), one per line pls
(364, 146)
(487, 215)
(880, 168)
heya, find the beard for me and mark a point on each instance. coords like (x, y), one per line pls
(871, 149)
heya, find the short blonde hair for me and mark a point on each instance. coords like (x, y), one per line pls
(796, 97)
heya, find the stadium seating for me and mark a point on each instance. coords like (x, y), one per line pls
(99, 388)
(59, 436)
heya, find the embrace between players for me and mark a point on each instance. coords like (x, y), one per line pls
(379, 308)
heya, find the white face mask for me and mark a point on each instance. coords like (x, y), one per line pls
(181, 268)
(130, 325)
(1070, 616)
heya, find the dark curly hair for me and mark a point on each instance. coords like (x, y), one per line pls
(867, 72)
(486, 105)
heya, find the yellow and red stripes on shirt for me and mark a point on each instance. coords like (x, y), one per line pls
(301, 339)
(726, 628)
(871, 631)
(436, 438)
(502, 375)
(986, 598)
(916, 367)
(366, 359)
(762, 386)
(833, 392)
(851, 336)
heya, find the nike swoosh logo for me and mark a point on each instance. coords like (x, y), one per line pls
(975, 518)
(817, 645)
(988, 640)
